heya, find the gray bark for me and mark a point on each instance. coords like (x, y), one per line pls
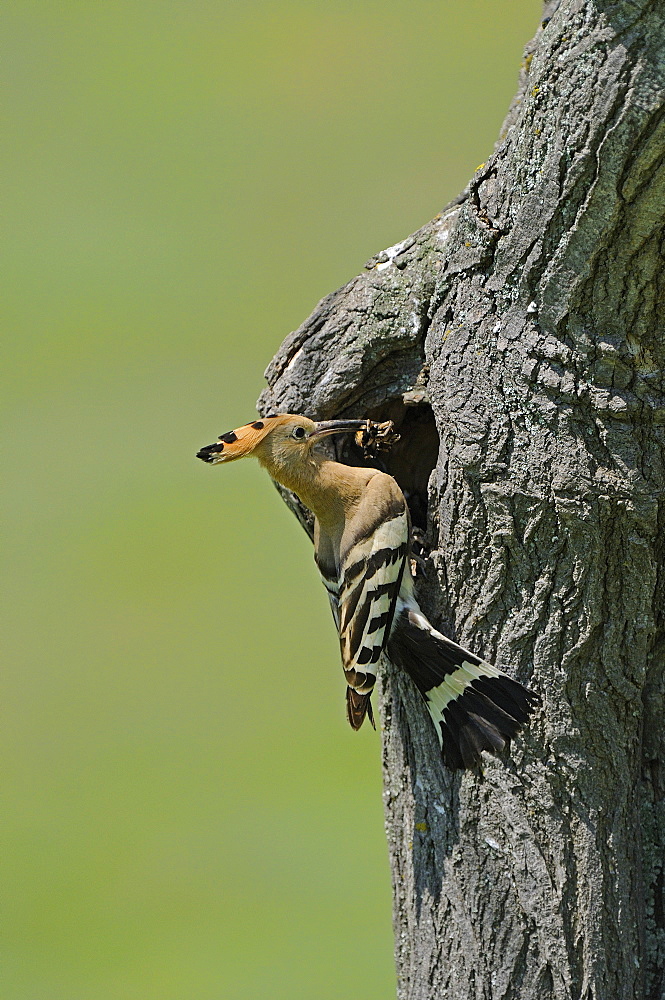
(529, 315)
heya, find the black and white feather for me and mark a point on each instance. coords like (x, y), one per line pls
(474, 706)
(363, 586)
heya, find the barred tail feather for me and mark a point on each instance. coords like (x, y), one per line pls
(473, 705)
(357, 707)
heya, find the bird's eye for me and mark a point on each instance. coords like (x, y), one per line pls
(298, 433)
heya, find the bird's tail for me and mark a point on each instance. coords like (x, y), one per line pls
(474, 706)
(357, 707)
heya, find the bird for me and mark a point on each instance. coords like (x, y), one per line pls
(362, 536)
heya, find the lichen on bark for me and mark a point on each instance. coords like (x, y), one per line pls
(529, 316)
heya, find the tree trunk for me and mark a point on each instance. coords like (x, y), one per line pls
(517, 340)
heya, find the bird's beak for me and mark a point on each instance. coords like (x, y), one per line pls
(326, 427)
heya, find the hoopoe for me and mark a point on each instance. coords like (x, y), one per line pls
(362, 540)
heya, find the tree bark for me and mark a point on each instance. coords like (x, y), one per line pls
(517, 339)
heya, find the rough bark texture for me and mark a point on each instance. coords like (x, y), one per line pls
(529, 315)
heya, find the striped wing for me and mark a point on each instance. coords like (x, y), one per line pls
(370, 575)
(331, 583)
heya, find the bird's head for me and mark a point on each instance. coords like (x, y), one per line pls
(281, 442)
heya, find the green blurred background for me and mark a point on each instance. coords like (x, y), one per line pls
(186, 814)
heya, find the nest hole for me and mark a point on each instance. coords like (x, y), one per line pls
(411, 460)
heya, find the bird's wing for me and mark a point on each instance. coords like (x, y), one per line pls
(331, 583)
(373, 559)
(324, 557)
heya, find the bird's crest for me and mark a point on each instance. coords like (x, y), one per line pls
(240, 442)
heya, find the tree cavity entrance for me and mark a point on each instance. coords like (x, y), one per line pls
(411, 460)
